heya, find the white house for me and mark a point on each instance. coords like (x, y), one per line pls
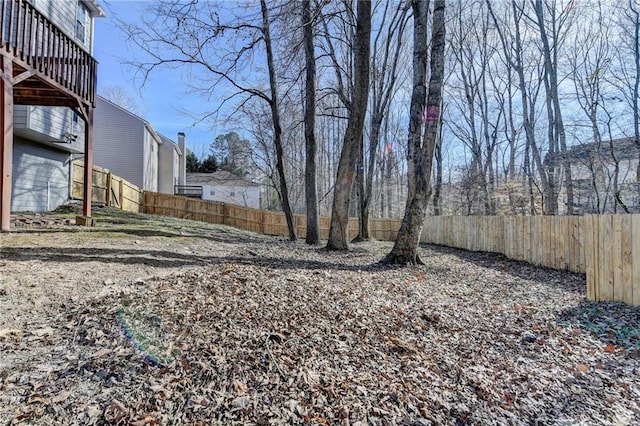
(46, 138)
(593, 174)
(226, 187)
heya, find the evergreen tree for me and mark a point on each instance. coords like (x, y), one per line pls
(193, 164)
(209, 164)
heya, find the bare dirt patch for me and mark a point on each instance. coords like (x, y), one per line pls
(149, 320)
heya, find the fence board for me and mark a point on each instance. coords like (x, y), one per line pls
(107, 189)
(635, 260)
(626, 265)
(605, 289)
(616, 258)
(591, 258)
(607, 248)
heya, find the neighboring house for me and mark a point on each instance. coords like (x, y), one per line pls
(172, 167)
(226, 187)
(593, 170)
(46, 138)
(129, 147)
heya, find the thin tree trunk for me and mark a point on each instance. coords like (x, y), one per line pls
(277, 128)
(363, 199)
(437, 189)
(310, 174)
(420, 155)
(338, 230)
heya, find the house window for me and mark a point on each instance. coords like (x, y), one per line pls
(74, 117)
(81, 21)
(232, 194)
(212, 192)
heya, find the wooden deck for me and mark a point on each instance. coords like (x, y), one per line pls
(40, 65)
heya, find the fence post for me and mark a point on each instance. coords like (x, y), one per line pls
(109, 183)
(121, 194)
(225, 213)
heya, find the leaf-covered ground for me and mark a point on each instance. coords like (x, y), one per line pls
(153, 321)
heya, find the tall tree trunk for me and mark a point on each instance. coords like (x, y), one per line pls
(277, 128)
(420, 153)
(338, 230)
(553, 104)
(384, 63)
(635, 11)
(310, 174)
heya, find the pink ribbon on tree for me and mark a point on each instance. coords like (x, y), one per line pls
(431, 114)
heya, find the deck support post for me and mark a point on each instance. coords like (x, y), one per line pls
(6, 142)
(88, 162)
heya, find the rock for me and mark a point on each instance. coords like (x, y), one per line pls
(240, 403)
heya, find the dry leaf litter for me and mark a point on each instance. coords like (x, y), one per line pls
(155, 321)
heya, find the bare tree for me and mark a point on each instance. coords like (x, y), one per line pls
(628, 68)
(277, 127)
(589, 71)
(553, 27)
(338, 231)
(421, 151)
(387, 49)
(220, 54)
(529, 86)
(477, 123)
(123, 98)
(311, 188)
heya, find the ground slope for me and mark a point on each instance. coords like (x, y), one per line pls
(148, 320)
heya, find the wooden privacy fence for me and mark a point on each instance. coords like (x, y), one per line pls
(606, 248)
(262, 221)
(108, 189)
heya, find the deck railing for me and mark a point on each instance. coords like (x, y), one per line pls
(32, 40)
(193, 191)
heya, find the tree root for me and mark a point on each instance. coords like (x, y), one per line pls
(402, 259)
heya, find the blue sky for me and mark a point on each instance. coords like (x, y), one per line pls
(164, 96)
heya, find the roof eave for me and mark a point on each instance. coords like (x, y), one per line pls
(94, 9)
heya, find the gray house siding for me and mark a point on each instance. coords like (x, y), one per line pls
(40, 177)
(50, 125)
(150, 161)
(117, 142)
(64, 13)
(168, 166)
(20, 117)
